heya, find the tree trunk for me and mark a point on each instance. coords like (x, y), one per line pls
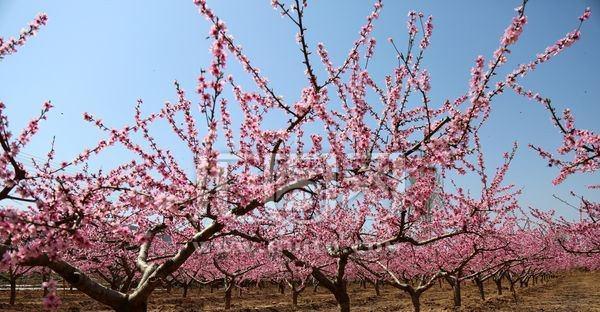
(344, 306)
(281, 288)
(512, 289)
(479, 284)
(133, 307)
(416, 301)
(13, 292)
(45, 279)
(228, 298)
(457, 296)
(114, 285)
(295, 294)
(126, 286)
(185, 290)
(377, 292)
(498, 285)
(343, 300)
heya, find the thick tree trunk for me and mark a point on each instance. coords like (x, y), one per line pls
(133, 307)
(457, 295)
(344, 306)
(13, 292)
(343, 300)
(416, 301)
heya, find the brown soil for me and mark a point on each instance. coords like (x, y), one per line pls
(575, 291)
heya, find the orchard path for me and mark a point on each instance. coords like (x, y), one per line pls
(571, 292)
(574, 292)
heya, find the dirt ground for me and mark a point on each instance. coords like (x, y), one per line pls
(575, 291)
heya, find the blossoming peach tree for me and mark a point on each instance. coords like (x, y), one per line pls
(355, 170)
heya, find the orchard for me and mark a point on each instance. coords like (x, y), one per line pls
(355, 185)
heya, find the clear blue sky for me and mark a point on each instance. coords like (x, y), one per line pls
(100, 56)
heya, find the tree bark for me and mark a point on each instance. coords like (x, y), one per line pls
(498, 285)
(228, 297)
(281, 288)
(416, 301)
(512, 289)
(295, 298)
(377, 292)
(342, 298)
(479, 284)
(133, 307)
(45, 279)
(457, 295)
(185, 290)
(13, 292)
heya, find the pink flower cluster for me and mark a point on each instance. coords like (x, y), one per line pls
(51, 301)
(512, 33)
(10, 46)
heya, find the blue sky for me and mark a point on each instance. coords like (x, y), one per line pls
(100, 56)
